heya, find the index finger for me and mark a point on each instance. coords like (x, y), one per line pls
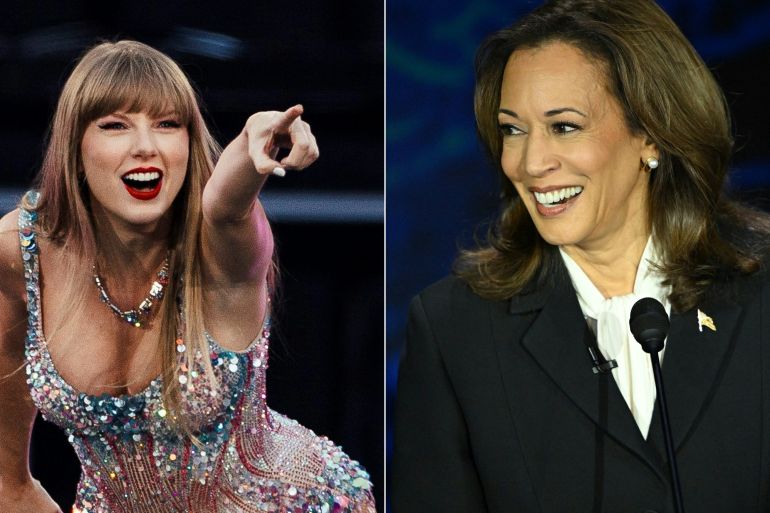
(285, 119)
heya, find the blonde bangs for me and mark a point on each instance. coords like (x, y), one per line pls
(130, 81)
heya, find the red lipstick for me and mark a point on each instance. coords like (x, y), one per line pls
(143, 183)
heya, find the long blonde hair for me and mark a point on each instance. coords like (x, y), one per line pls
(133, 76)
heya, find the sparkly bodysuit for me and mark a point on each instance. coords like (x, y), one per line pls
(249, 459)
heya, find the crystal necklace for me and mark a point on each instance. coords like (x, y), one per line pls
(136, 316)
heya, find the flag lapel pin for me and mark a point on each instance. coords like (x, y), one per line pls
(705, 320)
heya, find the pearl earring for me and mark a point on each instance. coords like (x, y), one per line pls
(652, 163)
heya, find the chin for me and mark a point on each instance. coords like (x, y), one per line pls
(150, 214)
(559, 239)
(140, 215)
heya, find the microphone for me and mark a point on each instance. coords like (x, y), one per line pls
(649, 324)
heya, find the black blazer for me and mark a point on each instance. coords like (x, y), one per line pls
(498, 409)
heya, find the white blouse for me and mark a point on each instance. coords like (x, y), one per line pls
(633, 374)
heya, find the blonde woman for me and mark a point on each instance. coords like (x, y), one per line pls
(134, 306)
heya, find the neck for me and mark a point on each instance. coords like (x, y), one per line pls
(129, 254)
(611, 266)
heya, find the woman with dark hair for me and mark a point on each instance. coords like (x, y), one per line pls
(135, 306)
(612, 140)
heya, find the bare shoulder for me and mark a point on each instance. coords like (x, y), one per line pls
(11, 266)
(10, 251)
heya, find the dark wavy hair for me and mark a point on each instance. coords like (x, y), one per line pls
(667, 93)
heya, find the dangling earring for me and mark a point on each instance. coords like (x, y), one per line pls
(652, 163)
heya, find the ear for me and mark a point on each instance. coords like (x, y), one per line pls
(647, 149)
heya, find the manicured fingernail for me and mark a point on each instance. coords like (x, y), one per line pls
(279, 171)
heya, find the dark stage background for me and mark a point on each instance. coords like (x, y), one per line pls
(440, 188)
(326, 366)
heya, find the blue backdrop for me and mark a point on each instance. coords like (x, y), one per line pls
(439, 187)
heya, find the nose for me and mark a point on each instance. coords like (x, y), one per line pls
(539, 159)
(143, 145)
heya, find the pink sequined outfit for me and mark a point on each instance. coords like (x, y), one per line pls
(250, 459)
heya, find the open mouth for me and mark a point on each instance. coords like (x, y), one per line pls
(143, 184)
(557, 197)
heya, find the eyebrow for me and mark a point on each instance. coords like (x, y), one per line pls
(124, 115)
(548, 113)
(116, 114)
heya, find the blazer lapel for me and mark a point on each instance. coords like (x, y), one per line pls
(692, 362)
(555, 341)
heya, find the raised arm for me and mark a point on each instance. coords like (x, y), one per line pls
(18, 491)
(236, 236)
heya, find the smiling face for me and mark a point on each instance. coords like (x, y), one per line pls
(135, 165)
(568, 152)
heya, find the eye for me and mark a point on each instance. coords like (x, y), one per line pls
(508, 130)
(563, 128)
(112, 125)
(169, 123)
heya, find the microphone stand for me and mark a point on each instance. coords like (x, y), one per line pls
(649, 324)
(661, 398)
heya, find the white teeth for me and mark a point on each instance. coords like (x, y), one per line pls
(551, 197)
(143, 177)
